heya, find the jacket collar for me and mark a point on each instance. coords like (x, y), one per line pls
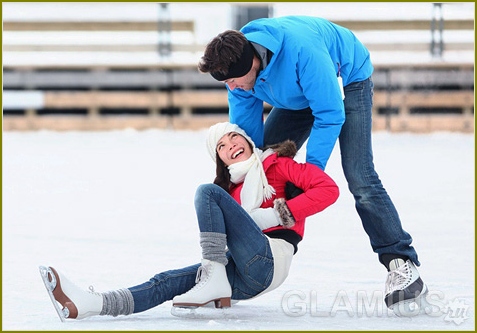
(269, 161)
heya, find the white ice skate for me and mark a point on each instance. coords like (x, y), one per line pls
(76, 303)
(212, 285)
(405, 291)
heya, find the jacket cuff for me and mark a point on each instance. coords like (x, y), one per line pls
(286, 216)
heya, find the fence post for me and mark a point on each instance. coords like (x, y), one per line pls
(164, 30)
(437, 43)
(388, 99)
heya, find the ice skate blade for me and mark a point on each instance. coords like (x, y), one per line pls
(219, 303)
(202, 312)
(49, 280)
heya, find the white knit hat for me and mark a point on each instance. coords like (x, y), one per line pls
(217, 131)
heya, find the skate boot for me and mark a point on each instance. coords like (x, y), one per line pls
(405, 292)
(212, 285)
(76, 303)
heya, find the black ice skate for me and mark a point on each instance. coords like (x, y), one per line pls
(405, 292)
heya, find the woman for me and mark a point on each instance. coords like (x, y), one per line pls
(248, 233)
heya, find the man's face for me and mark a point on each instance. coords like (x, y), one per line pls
(246, 82)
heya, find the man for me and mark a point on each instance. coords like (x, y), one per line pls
(317, 77)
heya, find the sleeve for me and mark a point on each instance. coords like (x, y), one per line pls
(247, 112)
(318, 78)
(320, 191)
(265, 217)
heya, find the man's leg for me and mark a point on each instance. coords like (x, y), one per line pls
(378, 215)
(283, 124)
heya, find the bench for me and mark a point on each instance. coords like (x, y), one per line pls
(38, 74)
(93, 102)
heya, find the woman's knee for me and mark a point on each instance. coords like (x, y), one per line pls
(206, 189)
(208, 192)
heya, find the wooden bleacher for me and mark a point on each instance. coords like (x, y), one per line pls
(158, 86)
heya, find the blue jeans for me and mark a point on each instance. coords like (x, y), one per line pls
(250, 260)
(375, 208)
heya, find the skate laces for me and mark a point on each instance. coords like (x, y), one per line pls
(77, 287)
(202, 274)
(200, 278)
(398, 279)
(91, 290)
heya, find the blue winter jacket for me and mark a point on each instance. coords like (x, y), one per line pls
(308, 52)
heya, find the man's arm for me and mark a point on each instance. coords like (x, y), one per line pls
(247, 112)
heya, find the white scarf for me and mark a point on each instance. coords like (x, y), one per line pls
(255, 185)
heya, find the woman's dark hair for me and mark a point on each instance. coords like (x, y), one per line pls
(222, 174)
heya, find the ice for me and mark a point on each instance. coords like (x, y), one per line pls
(111, 209)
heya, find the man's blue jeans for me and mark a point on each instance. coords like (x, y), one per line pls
(375, 208)
(250, 260)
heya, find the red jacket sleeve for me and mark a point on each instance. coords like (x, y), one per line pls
(320, 191)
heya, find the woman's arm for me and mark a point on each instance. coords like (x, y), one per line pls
(319, 190)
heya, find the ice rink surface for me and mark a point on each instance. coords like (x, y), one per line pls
(111, 209)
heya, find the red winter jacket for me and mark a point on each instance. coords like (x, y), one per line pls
(320, 191)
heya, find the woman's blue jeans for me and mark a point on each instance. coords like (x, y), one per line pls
(375, 208)
(250, 261)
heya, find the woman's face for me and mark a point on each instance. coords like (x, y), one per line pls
(233, 148)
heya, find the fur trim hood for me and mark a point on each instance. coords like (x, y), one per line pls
(284, 149)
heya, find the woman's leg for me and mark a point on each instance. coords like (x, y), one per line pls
(163, 287)
(250, 261)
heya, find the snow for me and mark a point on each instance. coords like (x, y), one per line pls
(111, 209)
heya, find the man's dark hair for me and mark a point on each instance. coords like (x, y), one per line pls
(222, 51)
